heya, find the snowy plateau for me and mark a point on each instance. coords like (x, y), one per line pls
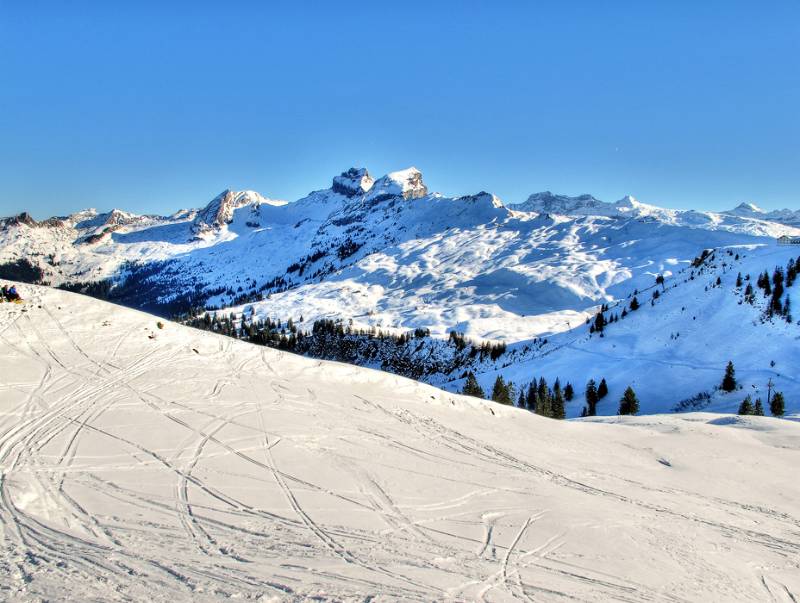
(142, 459)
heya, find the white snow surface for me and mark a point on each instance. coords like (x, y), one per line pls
(172, 464)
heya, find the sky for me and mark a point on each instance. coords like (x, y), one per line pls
(154, 106)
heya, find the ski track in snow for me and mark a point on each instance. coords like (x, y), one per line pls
(134, 468)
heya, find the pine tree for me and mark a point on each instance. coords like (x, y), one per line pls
(746, 407)
(522, 403)
(599, 322)
(602, 389)
(787, 309)
(558, 410)
(591, 398)
(634, 303)
(500, 391)
(739, 282)
(758, 409)
(472, 388)
(628, 404)
(533, 397)
(569, 392)
(776, 405)
(729, 380)
(544, 399)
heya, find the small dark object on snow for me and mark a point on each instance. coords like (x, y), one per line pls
(195, 350)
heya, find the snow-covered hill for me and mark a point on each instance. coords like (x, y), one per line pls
(139, 463)
(382, 252)
(678, 343)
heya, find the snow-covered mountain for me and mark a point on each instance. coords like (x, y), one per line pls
(781, 216)
(382, 252)
(141, 463)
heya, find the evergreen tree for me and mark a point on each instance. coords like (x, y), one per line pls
(569, 392)
(522, 403)
(758, 408)
(557, 406)
(746, 407)
(739, 282)
(602, 389)
(591, 398)
(472, 388)
(500, 391)
(628, 404)
(729, 380)
(533, 397)
(599, 322)
(634, 303)
(776, 405)
(544, 399)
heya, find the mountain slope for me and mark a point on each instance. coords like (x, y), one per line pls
(677, 345)
(171, 464)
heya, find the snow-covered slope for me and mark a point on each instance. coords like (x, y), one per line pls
(140, 463)
(383, 252)
(677, 345)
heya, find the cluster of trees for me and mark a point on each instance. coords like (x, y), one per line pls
(776, 406)
(412, 354)
(774, 287)
(550, 402)
(539, 398)
(149, 286)
(22, 270)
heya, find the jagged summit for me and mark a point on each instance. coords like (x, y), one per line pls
(355, 181)
(220, 209)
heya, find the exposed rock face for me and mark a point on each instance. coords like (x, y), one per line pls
(407, 184)
(23, 218)
(355, 181)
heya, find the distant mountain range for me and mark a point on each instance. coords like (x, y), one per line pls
(382, 252)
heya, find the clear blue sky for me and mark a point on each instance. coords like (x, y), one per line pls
(153, 106)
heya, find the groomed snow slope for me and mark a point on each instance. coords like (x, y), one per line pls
(172, 464)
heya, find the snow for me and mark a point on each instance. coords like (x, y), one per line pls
(172, 464)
